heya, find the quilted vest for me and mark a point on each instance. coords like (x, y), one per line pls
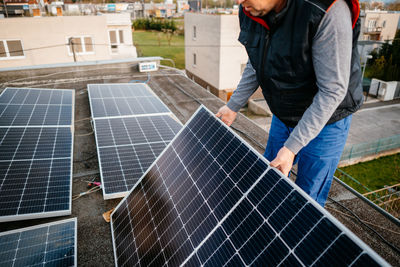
(282, 59)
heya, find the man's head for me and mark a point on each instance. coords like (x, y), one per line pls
(260, 8)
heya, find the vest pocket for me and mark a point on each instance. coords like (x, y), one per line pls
(249, 39)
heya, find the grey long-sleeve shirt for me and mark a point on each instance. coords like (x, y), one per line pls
(331, 54)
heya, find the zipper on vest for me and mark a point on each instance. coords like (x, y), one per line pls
(264, 56)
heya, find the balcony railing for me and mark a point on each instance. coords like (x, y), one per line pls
(373, 30)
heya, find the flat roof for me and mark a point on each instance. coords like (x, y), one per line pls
(183, 97)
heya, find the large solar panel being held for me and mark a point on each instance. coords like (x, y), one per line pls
(36, 158)
(52, 244)
(115, 100)
(210, 199)
(35, 107)
(128, 146)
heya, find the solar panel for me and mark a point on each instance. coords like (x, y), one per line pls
(35, 107)
(36, 156)
(35, 143)
(115, 100)
(128, 146)
(210, 199)
(52, 244)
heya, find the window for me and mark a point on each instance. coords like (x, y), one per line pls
(371, 25)
(384, 24)
(194, 32)
(10, 49)
(80, 45)
(194, 60)
(116, 39)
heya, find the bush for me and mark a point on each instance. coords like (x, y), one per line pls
(154, 24)
(385, 63)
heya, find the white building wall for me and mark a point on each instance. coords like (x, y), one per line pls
(219, 55)
(206, 46)
(386, 22)
(233, 55)
(121, 22)
(45, 39)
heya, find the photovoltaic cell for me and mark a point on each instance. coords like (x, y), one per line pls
(35, 107)
(36, 153)
(52, 244)
(115, 100)
(132, 127)
(35, 188)
(209, 199)
(128, 146)
(35, 143)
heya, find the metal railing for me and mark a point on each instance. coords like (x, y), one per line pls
(388, 198)
(371, 148)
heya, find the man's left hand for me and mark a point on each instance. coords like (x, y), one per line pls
(284, 160)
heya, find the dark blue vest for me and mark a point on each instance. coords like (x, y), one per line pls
(282, 59)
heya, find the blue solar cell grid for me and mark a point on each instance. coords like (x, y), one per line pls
(51, 244)
(128, 146)
(211, 200)
(36, 145)
(35, 188)
(135, 130)
(115, 100)
(36, 107)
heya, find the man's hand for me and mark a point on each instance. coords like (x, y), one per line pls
(226, 115)
(283, 161)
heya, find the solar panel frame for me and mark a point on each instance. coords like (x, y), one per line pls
(151, 93)
(74, 220)
(72, 104)
(121, 194)
(325, 213)
(37, 215)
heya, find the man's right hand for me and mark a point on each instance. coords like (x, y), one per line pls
(227, 115)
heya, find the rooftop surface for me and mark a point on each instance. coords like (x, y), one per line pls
(183, 97)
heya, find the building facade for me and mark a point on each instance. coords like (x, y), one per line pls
(377, 27)
(214, 58)
(380, 25)
(50, 40)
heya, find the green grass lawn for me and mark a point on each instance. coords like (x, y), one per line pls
(150, 44)
(374, 174)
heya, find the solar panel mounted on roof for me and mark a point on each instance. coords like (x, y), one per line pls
(128, 146)
(52, 244)
(116, 100)
(36, 155)
(132, 126)
(35, 107)
(210, 199)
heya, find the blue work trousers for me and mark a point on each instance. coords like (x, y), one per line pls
(318, 160)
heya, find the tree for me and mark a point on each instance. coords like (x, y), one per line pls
(394, 6)
(386, 62)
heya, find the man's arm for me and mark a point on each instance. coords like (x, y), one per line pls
(331, 50)
(247, 86)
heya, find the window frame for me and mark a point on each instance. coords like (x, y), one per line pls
(8, 56)
(118, 43)
(194, 36)
(84, 52)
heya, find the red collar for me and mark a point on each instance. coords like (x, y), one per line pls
(256, 19)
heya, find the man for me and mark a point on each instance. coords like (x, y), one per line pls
(303, 54)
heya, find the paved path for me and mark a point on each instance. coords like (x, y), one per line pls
(369, 124)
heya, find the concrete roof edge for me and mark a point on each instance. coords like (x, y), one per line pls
(86, 63)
